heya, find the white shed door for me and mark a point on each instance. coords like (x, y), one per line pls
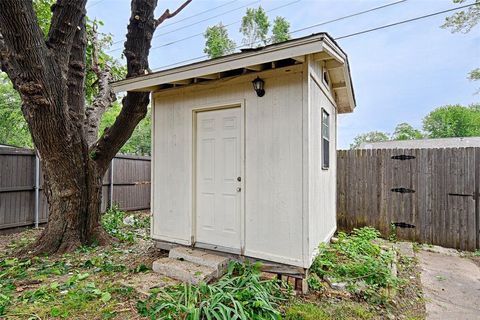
(218, 169)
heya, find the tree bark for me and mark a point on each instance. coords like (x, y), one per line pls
(50, 77)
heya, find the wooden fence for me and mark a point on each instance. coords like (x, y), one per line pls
(431, 195)
(22, 202)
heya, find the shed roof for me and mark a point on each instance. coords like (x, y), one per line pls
(320, 45)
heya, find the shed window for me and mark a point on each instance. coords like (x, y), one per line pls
(325, 139)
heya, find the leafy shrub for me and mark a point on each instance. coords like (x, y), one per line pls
(358, 261)
(240, 294)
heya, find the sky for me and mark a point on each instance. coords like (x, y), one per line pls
(399, 74)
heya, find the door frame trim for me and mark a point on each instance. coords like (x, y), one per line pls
(212, 107)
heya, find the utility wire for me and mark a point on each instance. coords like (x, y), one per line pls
(351, 34)
(292, 32)
(94, 4)
(192, 24)
(183, 19)
(349, 16)
(226, 25)
(403, 21)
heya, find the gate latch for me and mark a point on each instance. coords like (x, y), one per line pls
(462, 195)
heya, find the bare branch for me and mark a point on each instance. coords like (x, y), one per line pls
(167, 15)
(137, 48)
(105, 96)
(66, 18)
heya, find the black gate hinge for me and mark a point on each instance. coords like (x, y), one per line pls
(403, 157)
(403, 190)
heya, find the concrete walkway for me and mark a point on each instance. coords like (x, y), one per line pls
(451, 285)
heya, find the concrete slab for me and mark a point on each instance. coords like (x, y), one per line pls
(201, 257)
(441, 250)
(451, 286)
(184, 271)
(405, 249)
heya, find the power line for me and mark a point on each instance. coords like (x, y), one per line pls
(206, 19)
(195, 23)
(186, 18)
(94, 4)
(403, 21)
(227, 25)
(348, 16)
(295, 31)
(351, 34)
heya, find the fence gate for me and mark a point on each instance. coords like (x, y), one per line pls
(429, 195)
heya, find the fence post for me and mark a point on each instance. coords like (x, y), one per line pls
(111, 183)
(37, 189)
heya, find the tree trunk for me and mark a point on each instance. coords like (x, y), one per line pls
(50, 78)
(74, 201)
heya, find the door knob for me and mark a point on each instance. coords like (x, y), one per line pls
(239, 179)
(239, 189)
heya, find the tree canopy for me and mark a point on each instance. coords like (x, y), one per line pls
(372, 136)
(453, 121)
(463, 22)
(13, 127)
(280, 30)
(405, 131)
(255, 27)
(217, 41)
(443, 122)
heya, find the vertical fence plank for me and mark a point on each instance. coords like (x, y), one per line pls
(18, 185)
(444, 207)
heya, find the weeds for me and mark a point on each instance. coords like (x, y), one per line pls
(357, 261)
(241, 294)
(113, 221)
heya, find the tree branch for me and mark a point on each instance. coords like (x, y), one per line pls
(66, 19)
(137, 47)
(25, 56)
(105, 96)
(167, 15)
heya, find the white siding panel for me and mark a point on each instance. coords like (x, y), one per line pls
(272, 190)
(274, 171)
(172, 161)
(322, 206)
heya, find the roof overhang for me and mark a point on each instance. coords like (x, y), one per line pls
(321, 46)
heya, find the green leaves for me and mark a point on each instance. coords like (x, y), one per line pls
(217, 41)
(354, 259)
(241, 294)
(280, 30)
(255, 27)
(453, 121)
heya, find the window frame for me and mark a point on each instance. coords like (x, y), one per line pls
(325, 162)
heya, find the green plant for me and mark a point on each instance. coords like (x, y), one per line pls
(112, 222)
(356, 260)
(241, 294)
(393, 233)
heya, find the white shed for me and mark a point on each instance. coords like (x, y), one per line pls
(242, 173)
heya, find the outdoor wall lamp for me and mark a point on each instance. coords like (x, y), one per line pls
(258, 86)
